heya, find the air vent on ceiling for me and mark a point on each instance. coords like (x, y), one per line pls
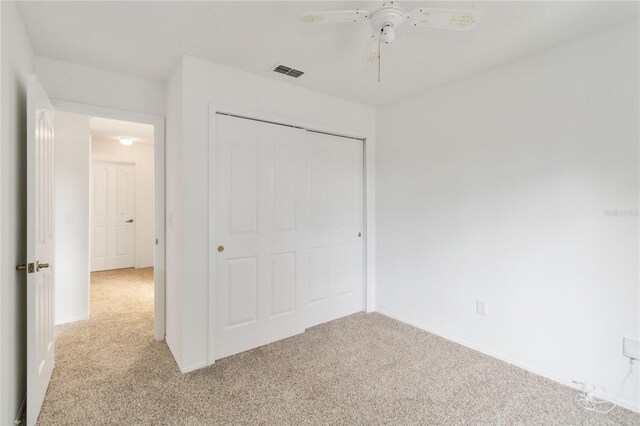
(288, 71)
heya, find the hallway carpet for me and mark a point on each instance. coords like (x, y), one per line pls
(362, 369)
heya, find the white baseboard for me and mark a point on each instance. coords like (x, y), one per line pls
(184, 369)
(173, 354)
(193, 367)
(141, 266)
(563, 381)
(73, 319)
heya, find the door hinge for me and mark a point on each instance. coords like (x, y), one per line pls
(156, 241)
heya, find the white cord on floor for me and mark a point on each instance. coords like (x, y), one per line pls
(589, 401)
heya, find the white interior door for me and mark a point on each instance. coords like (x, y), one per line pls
(334, 244)
(112, 215)
(260, 193)
(288, 212)
(40, 247)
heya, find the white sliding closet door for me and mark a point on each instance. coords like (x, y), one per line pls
(335, 249)
(259, 203)
(288, 214)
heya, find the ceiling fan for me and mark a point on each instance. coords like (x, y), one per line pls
(386, 19)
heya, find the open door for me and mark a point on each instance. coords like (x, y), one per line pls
(40, 247)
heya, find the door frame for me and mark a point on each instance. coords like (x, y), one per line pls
(158, 122)
(368, 148)
(136, 206)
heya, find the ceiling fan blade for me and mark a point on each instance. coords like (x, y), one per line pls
(372, 55)
(334, 17)
(448, 19)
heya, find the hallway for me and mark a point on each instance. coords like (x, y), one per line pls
(94, 378)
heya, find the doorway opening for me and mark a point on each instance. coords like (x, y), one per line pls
(122, 213)
(109, 196)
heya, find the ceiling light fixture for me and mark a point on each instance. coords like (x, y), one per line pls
(126, 141)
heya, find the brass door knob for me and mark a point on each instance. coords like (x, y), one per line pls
(130, 221)
(41, 266)
(220, 249)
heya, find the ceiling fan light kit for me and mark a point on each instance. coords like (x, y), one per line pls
(386, 19)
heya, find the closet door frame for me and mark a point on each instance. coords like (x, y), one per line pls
(368, 201)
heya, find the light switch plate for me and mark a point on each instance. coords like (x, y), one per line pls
(481, 307)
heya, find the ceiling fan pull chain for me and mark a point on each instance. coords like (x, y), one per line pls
(379, 59)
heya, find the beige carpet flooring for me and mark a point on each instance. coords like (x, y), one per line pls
(362, 369)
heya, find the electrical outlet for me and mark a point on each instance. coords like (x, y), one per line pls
(481, 307)
(631, 348)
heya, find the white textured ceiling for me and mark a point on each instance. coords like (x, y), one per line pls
(112, 130)
(147, 38)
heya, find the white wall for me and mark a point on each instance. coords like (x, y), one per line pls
(77, 83)
(496, 188)
(174, 181)
(203, 82)
(16, 62)
(142, 156)
(72, 159)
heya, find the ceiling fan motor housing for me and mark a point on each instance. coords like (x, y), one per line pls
(386, 19)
